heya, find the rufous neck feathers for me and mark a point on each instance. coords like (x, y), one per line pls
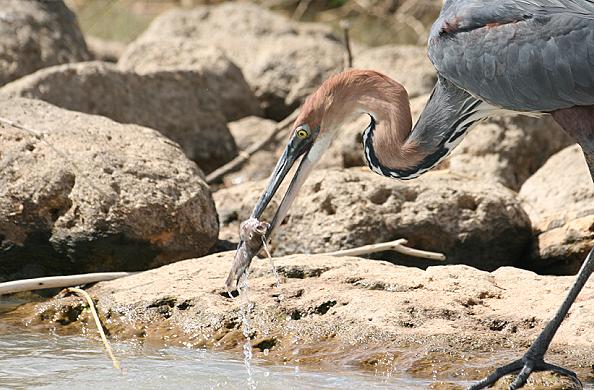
(347, 95)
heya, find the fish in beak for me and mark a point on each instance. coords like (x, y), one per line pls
(253, 233)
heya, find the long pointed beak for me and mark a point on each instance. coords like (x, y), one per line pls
(247, 250)
(283, 166)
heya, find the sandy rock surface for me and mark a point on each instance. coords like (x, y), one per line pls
(445, 323)
(283, 61)
(472, 222)
(177, 103)
(407, 64)
(224, 79)
(123, 198)
(559, 199)
(37, 34)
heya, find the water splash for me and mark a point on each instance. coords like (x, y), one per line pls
(245, 311)
(273, 267)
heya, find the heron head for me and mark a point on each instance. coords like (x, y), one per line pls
(304, 142)
(339, 100)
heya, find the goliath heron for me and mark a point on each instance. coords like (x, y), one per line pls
(506, 56)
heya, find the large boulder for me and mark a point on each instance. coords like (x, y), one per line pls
(559, 199)
(473, 222)
(223, 77)
(407, 64)
(451, 323)
(282, 60)
(35, 35)
(91, 195)
(177, 103)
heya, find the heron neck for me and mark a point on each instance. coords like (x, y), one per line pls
(446, 118)
(388, 146)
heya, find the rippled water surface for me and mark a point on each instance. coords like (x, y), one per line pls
(48, 362)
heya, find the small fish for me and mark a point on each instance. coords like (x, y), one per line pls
(252, 234)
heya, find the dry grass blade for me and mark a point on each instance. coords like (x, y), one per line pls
(87, 297)
(245, 155)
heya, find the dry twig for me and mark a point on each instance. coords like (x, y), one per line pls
(346, 26)
(58, 281)
(397, 246)
(247, 153)
(301, 9)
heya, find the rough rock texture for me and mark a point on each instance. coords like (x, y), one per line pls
(472, 222)
(451, 323)
(115, 197)
(247, 131)
(508, 149)
(407, 64)
(283, 61)
(224, 79)
(559, 199)
(37, 34)
(177, 103)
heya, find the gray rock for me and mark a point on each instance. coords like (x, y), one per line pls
(407, 64)
(559, 199)
(35, 35)
(177, 103)
(473, 222)
(223, 77)
(283, 61)
(122, 198)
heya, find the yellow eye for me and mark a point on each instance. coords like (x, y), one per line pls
(302, 133)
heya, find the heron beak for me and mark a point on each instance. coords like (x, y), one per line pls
(247, 250)
(283, 166)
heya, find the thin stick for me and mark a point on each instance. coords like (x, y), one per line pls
(346, 26)
(397, 246)
(87, 297)
(58, 281)
(40, 137)
(301, 9)
(253, 148)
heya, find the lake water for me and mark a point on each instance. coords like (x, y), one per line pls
(34, 361)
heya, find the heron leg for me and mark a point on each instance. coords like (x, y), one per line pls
(533, 360)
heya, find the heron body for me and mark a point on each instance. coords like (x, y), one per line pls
(492, 56)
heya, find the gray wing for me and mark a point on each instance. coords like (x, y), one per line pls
(522, 55)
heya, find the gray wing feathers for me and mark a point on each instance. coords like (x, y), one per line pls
(536, 57)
